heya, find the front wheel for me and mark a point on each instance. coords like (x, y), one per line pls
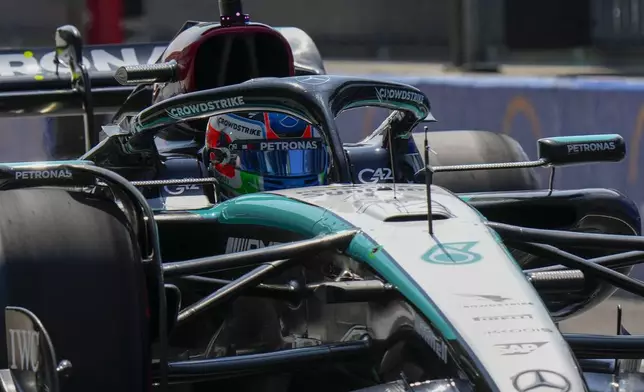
(71, 259)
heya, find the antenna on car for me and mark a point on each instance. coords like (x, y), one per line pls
(231, 13)
(619, 332)
(429, 174)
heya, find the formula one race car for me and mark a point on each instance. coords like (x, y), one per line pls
(137, 266)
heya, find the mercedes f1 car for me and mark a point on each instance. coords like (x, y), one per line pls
(126, 270)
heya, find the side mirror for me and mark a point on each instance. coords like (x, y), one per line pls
(69, 51)
(69, 46)
(571, 150)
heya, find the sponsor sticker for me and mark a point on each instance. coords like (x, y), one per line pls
(30, 63)
(177, 190)
(314, 80)
(493, 301)
(437, 344)
(540, 380)
(504, 331)
(24, 348)
(276, 145)
(388, 94)
(504, 317)
(371, 176)
(42, 174)
(590, 147)
(289, 145)
(243, 127)
(235, 245)
(455, 253)
(519, 348)
(195, 109)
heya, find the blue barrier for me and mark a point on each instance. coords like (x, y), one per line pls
(530, 108)
(24, 139)
(524, 108)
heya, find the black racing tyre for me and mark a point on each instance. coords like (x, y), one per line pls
(475, 147)
(72, 260)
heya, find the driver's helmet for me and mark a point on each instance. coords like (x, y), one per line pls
(260, 151)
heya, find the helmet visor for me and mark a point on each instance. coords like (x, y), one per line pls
(281, 158)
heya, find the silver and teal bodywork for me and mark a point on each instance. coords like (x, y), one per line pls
(461, 280)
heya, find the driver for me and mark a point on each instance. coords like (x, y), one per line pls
(255, 152)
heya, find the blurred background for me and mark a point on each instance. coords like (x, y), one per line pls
(528, 68)
(604, 35)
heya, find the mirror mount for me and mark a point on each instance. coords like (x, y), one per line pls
(553, 152)
(69, 51)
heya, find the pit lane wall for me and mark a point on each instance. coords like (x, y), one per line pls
(531, 108)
